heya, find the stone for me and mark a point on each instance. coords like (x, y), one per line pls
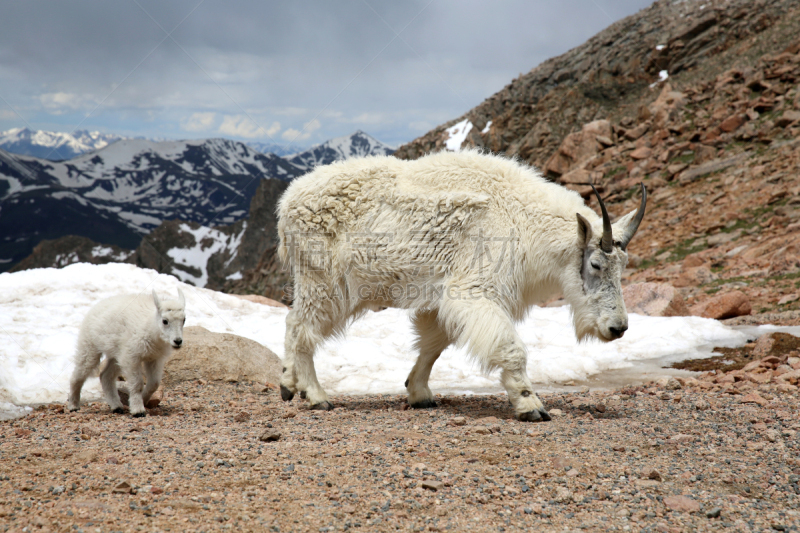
(432, 485)
(241, 417)
(577, 147)
(682, 504)
(270, 436)
(673, 384)
(122, 487)
(774, 344)
(457, 421)
(753, 397)
(702, 405)
(221, 357)
(721, 306)
(788, 117)
(634, 133)
(155, 399)
(712, 166)
(641, 153)
(732, 123)
(654, 299)
(655, 475)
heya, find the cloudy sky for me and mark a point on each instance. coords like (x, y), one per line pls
(291, 72)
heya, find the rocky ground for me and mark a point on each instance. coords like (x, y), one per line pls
(711, 452)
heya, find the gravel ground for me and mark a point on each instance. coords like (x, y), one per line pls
(652, 458)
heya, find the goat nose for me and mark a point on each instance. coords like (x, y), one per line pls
(178, 342)
(618, 332)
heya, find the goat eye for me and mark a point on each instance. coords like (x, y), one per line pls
(595, 266)
(165, 321)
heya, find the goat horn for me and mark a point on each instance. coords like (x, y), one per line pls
(607, 242)
(633, 225)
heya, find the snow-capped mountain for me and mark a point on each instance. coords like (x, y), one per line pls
(273, 148)
(358, 144)
(120, 193)
(54, 145)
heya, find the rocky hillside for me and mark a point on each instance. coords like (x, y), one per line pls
(698, 101)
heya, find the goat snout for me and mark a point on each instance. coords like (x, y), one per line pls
(618, 331)
(177, 343)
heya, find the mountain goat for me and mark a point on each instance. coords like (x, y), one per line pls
(466, 241)
(133, 331)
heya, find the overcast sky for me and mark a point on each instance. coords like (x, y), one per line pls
(290, 71)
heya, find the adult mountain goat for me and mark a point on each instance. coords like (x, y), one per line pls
(134, 332)
(466, 241)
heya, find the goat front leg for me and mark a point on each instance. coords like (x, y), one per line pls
(153, 371)
(489, 333)
(132, 370)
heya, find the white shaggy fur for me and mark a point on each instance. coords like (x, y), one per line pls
(134, 332)
(467, 241)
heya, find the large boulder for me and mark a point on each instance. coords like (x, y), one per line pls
(221, 357)
(654, 299)
(578, 147)
(728, 305)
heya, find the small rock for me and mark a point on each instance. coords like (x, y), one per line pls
(432, 485)
(241, 417)
(655, 475)
(713, 513)
(482, 430)
(269, 436)
(457, 421)
(682, 504)
(702, 405)
(753, 398)
(772, 435)
(556, 412)
(291, 413)
(681, 438)
(122, 488)
(673, 384)
(732, 123)
(156, 490)
(155, 399)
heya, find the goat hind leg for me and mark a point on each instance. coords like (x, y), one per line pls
(431, 341)
(86, 360)
(299, 374)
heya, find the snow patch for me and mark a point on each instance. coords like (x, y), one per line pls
(486, 128)
(43, 310)
(457, 134)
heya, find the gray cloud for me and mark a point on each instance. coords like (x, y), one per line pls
(240, 68)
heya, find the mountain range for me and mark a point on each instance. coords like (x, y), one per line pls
(54, 145)
(117, 194)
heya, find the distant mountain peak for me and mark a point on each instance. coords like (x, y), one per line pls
(54, 145)
(357, 144)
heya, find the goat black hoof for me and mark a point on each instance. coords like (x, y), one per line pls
(303, 394)
(286, 394)
(424, 404)
(118, 410)
(322, 406)
(139, 415)
(540, 415)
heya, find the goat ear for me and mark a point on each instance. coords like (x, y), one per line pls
(181, 298)
(584, 231)
(155, 300)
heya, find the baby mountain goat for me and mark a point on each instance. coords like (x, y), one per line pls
(466, 241)
(133, 331)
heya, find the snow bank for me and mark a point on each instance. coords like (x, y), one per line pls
(43, 309)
